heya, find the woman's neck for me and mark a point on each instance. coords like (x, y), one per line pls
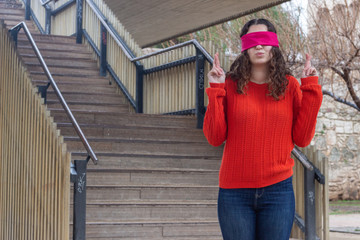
(259, 74)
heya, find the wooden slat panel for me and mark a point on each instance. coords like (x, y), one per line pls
(321, 193)
(31, 202)
(39, 12)
(64, 23)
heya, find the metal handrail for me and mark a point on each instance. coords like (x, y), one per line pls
(57, 91)
(44, 3)
(127, 54)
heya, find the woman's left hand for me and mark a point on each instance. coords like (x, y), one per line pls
(308, 69)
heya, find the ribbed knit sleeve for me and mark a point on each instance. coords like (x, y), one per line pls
(215, 127)
(307, 102)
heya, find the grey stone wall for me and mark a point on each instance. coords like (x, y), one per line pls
(338, 137)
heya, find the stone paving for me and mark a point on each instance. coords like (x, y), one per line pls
(344, 226)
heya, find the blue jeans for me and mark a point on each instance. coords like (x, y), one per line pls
(257, 213)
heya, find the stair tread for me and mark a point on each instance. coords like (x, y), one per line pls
(151, 154)
(148, 202)
(146, 221)
(167, 170)
(125, 139)
(137, 185)
(143, 115)
(28, 52)
(128, 126)
(48, 102)
(132, 154)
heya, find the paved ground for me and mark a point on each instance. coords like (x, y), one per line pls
(346, 226)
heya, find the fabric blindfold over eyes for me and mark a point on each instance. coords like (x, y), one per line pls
(259, 38)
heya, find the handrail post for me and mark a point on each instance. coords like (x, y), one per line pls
(27, 9)
(79, 211)
(103, 45)
(139, 87)
(200, 72)
(14, 33)
(79, 17)
(47, 19)
(310, 218)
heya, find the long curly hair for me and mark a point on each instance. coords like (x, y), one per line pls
(240, 70)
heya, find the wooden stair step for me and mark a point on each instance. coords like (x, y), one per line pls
(134, 132)
(43, 80)
(91, 107)
(122, 162)
(142, 147)
(14, 17)
(58, 62)
(85, 88)
(89, 97)
(149, 230)
(146, 203)
(49, 53)
(78, 48)
(10, 5)
(152, 177)
(141, 139)
(140, 192)
(42, 38)
(127, 119)
(82, 155)
(10, 24)
(12, 11)
(65, 71)
(29, 24)
(154, 211)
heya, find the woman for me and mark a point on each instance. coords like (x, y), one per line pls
(261, 111)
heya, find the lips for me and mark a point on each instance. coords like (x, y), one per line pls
(259, 54)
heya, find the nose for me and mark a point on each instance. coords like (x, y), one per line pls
(259, 47)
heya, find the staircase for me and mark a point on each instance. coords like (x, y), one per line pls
(157, 176)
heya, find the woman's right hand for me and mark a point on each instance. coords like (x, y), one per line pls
(216, 75)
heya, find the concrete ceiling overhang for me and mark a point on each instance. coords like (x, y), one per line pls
(154, 21)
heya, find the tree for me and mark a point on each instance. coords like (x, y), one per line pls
(335, 44)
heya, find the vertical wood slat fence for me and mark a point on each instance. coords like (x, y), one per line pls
(123, 67)
(34, 162)
(39, 12)
(64, 22)
(321, 193)
(174, 89)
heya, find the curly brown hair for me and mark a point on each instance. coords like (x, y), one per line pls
(240, 70)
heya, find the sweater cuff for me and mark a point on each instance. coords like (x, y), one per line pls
(217, 85)
(311, 80)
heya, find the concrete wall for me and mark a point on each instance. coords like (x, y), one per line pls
(338, 137)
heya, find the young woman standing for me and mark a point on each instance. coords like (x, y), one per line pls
(261, 111)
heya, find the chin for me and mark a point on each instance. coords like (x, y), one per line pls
(260, 62)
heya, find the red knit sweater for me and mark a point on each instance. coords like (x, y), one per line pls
(260, 132)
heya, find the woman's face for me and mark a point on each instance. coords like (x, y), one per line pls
(259, 54)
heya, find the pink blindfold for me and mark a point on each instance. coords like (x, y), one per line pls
(259, 38)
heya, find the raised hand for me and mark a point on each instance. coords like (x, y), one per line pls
(216, 74)
(308, 69)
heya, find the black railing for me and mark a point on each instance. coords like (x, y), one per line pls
(311, 173)
(77, 171)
